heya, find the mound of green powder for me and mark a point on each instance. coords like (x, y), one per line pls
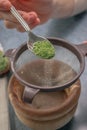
(3, 62)
(44, 49)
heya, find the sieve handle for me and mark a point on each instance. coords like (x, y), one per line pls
(10, 53)
(29, 94)
(83, 48)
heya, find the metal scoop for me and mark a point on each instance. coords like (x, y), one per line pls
(32, 37)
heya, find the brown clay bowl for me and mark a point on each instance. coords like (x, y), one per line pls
(48, 110)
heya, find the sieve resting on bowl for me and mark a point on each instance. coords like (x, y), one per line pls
(58, 73)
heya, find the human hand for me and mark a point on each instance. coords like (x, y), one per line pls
(35, 11)
(42, 10)
(11, 22)
(46, 9)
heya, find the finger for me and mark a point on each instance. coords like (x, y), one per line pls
(7, 16)
(20, 29)
(10, 24)
(37, 22)
(29, 17)
(5, 5)
(31, 25)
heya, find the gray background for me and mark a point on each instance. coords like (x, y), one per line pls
(72, 29)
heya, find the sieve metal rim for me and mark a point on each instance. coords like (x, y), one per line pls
(56, 41)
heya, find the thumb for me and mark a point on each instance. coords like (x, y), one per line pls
(5, 5)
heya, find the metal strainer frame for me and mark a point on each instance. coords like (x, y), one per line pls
(79, 50)
(58, 42)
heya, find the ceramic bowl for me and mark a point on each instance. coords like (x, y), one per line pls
(48, 110)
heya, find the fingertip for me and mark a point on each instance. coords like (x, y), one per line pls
(9, 5)
(33, 25)
(6, 5)
(34, 18)
(38, 21)
(33, 13)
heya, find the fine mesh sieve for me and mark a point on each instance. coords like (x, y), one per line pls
(42, 73)
(48, 74)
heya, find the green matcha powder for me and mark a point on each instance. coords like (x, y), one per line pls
(3, 62)
(44, 49)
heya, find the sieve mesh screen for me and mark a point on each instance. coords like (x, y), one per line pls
(48, 73)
